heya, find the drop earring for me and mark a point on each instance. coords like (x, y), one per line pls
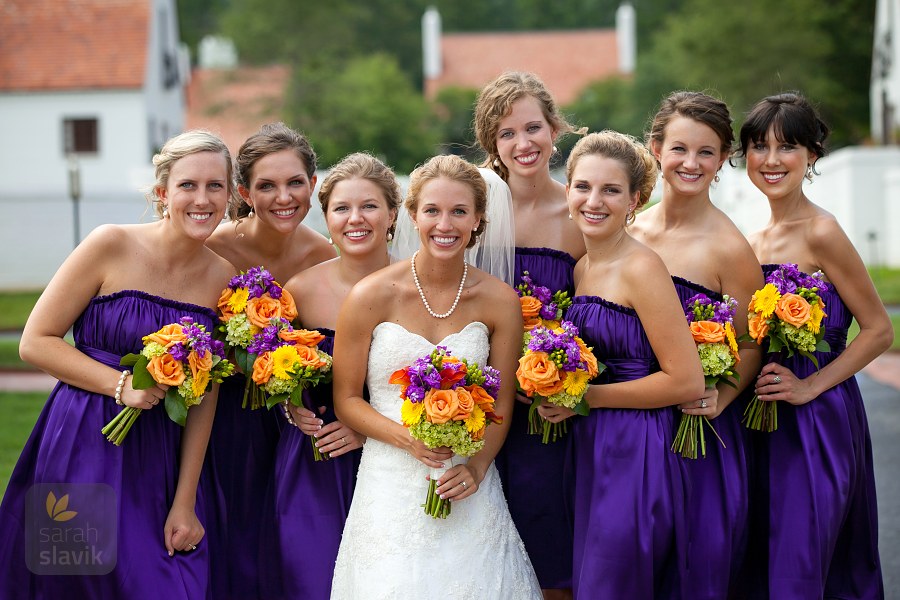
(330, 241)
(570, 216)
(716, 178)
(251, 214)
(809, 173)
(390, 235)
(165, 211)
(496, 162)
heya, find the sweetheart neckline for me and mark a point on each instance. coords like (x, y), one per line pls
(422, 337)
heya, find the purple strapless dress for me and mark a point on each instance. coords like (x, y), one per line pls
(532, 472)
(629, 486)
(816, 477)
(311, 504)
(717, 502)
(240, 468)
(66, 447)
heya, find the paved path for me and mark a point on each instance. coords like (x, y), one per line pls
(880, 385)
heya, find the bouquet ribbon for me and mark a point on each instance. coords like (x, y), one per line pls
(434, 504)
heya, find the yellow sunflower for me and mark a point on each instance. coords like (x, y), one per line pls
(765, 300)
(730, 338)
(283, 360)
(576, 382)
(411, 412)
(238, 301)
(816, 314)
(198, 385)
(475, 422)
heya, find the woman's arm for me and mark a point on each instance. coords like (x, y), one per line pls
(845, 270)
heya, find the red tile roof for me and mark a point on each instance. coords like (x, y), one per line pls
(234, 103)
(73, 44)
(567, 61)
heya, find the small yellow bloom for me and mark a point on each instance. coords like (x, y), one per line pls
(730, 338)
(553, 326)
(198, 385)
(411, 412)
(765, 300)
(283, 360)
(475, 422)
(238, 301)
(816, 314)
(576, 382)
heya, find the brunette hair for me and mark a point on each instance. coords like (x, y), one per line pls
(185, 144)
(495, 101)
(794, 119)
(363, 166)
(456, 169)
(271, 138)
(699, 107)
(639, 164)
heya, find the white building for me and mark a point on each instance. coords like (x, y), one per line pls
(884, 97)
(92, 83)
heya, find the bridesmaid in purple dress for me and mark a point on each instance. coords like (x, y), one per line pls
(276, 176)
(629, 486)
(517, 123)
(815, 470)
(121, 283)
(359, 198)
(691, 138)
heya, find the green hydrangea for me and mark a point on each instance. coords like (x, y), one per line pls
(564, 399)
(153, 349)
(452, 435)
(802, 339)
(239, 331)
(716, 358)
(279, 386)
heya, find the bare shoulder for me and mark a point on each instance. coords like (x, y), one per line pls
(310, 276)
(644, 267)
(318, 248)
(494, 289)
(824, 230)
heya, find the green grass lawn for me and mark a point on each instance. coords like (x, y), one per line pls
(18, 413)
(15, 308)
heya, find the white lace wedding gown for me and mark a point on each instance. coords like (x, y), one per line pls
(390, 548)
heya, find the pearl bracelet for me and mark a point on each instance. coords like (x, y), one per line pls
(287, 415)
(120, 385)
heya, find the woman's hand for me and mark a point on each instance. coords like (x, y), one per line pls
(430, 457)
(458, 483)
(705, 406)
(776, 382)
(520, 397)
(336, 439)
(143, 399)
(554, 414)
(183, 530)
(306, 420)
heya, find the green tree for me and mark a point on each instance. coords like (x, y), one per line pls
(367, 104)
(454, 109)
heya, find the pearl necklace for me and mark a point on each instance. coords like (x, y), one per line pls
(412, 264)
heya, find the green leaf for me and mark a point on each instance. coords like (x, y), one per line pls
(141, 379)
(275, 400)
(130, 359)
(175, 407)
(297, 396)
(244, 360)
(582, 408)
(812, 358)
(823, 346)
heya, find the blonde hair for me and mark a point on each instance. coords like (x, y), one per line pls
(495, 102)
(185, 144)
(363, 166)
(456, 169)
(639, 164)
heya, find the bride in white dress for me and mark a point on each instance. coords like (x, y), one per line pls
(390, 548)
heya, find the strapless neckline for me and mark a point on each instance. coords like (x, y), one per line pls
(482, 326)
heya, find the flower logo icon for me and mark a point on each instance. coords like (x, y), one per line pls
(56, 509)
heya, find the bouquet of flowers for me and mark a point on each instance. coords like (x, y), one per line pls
(183, 356)
(788, 312)
(249, 303)
(447, 402)
(556, 364)
(712, 326)
(286, 361)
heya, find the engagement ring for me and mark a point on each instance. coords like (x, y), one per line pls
(776, 379)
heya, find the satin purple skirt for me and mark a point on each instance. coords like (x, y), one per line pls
(815, 474)
(311, 502)
(532, 473)
(66, 447)
(629, 511)
(717, 504)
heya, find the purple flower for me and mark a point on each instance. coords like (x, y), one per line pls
(179, 352)
(491, 381)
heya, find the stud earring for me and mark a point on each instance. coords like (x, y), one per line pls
(570, 216)
(716, 178)
(496, 162)
(330, 241)
(555, 150)
(390, 235)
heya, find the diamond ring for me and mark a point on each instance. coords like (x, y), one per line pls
(703, 404)
(776, 379)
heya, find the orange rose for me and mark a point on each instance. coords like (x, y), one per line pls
(441, 405)
(707, 332)
(262, 368)
(168, 336)
(198, 364)
(466, 404)
(757, 326)
(588, 358)
(166, 370)
(793, 309)
(537, 374)
(225, 310)
(308, 357)
(301, 337)
(531, 306)
(531, 322)
(260, 310)
(288, 307)
(484, 400)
